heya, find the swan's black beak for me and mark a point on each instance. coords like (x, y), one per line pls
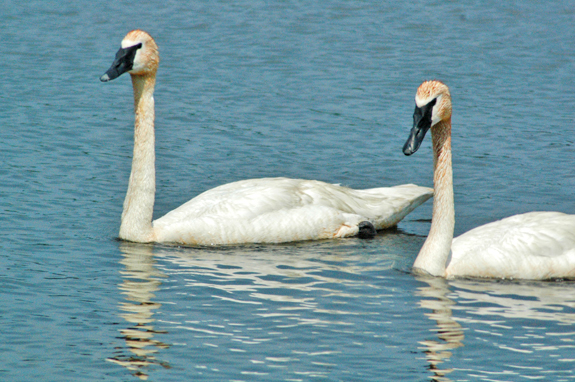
(421, 123)
(124, 62)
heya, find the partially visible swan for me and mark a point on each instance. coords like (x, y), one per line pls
(268, 210)
(535, 245)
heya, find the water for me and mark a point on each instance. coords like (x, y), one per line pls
(252, 89)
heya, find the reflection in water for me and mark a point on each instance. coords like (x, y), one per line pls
(140, 282)
(540, 301)
(306, 267)
(449, 331)
(253, 309)
(528, 325)
(282, 311)
(323, 309)
(534, 319)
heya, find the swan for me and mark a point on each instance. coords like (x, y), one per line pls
(534, 245)
(269, 210)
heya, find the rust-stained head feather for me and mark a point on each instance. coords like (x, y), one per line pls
(430, 90)
(147, 57)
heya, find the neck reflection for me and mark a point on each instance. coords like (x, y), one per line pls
(141, 280)
(449, 332)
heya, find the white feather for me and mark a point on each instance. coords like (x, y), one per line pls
(281, 209)
(535, 245)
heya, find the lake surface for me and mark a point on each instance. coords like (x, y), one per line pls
(254, 89)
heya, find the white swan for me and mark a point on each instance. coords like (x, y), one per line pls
(269, 210)
(535, 245)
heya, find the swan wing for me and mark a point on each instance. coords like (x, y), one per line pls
(282, 209)
(535, 245)
(385, 207)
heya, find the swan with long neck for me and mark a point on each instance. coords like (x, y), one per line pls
(535, 245)
(269, 210)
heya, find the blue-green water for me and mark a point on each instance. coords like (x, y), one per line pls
(253, 89)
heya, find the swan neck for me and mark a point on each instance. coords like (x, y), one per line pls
(433, 256)
(139, 203)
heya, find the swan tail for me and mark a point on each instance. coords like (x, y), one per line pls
(392, 204)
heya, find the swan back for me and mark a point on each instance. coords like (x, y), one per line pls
(535, 245)
(282, 209)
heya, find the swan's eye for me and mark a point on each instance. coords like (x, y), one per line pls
(128, 54)
(427, 109)
(424, 112)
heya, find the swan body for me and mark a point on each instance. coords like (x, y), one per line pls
(270, 210)
(535, 245)
(280, 209)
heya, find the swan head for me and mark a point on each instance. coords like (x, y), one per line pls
(432, 105)
(137, 56)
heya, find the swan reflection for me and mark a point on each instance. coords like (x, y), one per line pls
(537, 301)
(265, 271)
(140, 281)
(278, 310)
(448, 330)
(231, 298)
(528, 310)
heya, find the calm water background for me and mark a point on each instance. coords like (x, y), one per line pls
(301, 89)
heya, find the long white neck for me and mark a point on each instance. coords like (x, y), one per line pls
(435, 251)
(139, 203)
